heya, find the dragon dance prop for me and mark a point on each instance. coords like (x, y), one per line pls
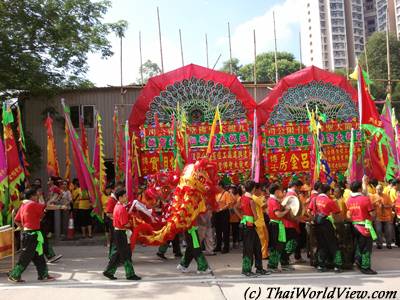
(194, 194)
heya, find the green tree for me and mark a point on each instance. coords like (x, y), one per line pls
(44, 43)
(265, 63)
(149, 69)
(377, 64)
(226, 66)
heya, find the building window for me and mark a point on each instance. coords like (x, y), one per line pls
(86, 112)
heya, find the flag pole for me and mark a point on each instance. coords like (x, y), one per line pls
(389, 75)
(301, 53)
(141, 59)
(276, 58)
(159, 35)
(207, 52)
(255, 67)
(180, 41)
(230, 49)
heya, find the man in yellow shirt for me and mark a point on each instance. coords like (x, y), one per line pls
(391, 190)
(261, 203)
(224, 199)
(384, 217)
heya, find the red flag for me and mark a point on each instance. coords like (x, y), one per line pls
(14, 169)
(84, 141)
(53, 168)
(118, 164)
(368, 113)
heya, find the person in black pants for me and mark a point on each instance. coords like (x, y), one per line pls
(222, 225)
(122, 254)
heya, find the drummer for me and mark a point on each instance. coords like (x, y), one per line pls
(291, 226)
(323, 209)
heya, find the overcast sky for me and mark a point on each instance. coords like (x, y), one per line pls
(195, 18)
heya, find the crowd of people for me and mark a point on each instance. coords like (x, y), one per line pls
(336, 228)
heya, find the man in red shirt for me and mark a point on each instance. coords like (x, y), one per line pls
(292, 228)
(122, 255)
(361, 212)
(251, 241)
(277, 233)
(28, 217)
(322, 209)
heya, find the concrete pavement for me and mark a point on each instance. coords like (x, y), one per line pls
(79, 277)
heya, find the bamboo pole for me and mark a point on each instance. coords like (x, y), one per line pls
(207, 51)
(159, 35)
(180, 41)
(301, 53)
(230, 49)
(217, 61)
(276, 50)
(389, 75)
(141, 59)
(255, 67)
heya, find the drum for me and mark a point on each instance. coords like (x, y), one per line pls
(294, 204)
(344, 233)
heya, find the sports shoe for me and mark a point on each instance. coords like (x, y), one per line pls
(207, 271)
(182, 268)
(47, 278)
(337, 270)
(368, 271)
(15, 280)
(273, 270)
(287, 268)
(321, 269)
(54, 258)
(109, 276)
(263, 272)
(389, 246)
(249, 274)
(161, 255)
(206, 253)
(134, 277)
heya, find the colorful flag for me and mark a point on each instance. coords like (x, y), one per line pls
(211, 142)
(128, 165)
(255, 153)
(53, 168)
(84, 140)
(119, 172)
(21, 143)
(67, 174)
(82, 166)
(98, 155)
(388, 123)
(14, 169)
(372, 127)
(4, 200)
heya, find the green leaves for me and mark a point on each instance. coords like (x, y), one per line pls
(44, 43)
(265, 67)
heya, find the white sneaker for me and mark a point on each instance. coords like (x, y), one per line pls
(182, 268)
(208, 271)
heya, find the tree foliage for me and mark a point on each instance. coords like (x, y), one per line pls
(236, 66)
(149, 70)
(44, 43)
(377, 64)
(265, 67)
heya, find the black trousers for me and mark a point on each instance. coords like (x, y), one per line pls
(28, 254)
(122, 251)
(235, 232)
(327, 244)
(222, 228)
(301, 240)
(290, 246)
(397, 231)
(193, 253)
(363, 249)
(251, 249)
